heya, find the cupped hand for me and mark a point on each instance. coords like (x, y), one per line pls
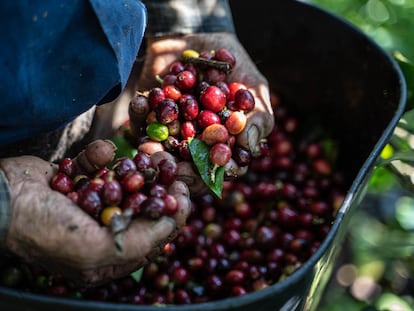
(47, 228)
(162, 51)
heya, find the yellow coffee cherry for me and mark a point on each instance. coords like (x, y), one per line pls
(190, 53)
(109, 212)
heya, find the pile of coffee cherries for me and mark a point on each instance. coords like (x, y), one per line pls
(132, 186)
(194, 101)
(267, 224)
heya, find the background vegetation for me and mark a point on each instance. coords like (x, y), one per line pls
(376, 268)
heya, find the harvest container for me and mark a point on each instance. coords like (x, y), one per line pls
(332, 76)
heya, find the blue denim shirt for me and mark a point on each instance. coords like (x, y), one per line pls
(59, 58)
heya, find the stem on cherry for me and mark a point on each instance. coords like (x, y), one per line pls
(223, 66)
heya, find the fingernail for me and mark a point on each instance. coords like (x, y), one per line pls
(253, 139)
(163, 227)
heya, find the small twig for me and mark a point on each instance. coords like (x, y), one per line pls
(222, 66)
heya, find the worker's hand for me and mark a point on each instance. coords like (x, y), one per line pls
(162, 51)
(47, 228)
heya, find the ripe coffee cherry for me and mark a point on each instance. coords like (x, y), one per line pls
(215, 133)
(186, 80)
(62, 183)
(155, 95)
(201, 87)
(180, 275)
(222, 85)
(188, 106)
(225, 55)
(184, 150)
(176, 67)
(133, 201)
(142, 161)
(235, 277)
(112, 192)
(322, 167)
(233, 88)
(244, 100)
(167, 171)
(220, 154)
(133, 181)
(241, 156)
(122, 166)
(166, 111)
(236, 122)
(168, 80)
(67, 166)
(172, 92)
(153, 208)
(96, 184)
(192, 68)
(171, 204)
(207, 117)
(157, 190)
(213, 76)
(207, 54)
(188, 130)
(213, 98)
(102, 172)
(90, 201)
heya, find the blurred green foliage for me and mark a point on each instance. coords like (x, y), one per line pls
(390, 23)
(380, 245)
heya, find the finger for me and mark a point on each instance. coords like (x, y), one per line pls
(259, 124)
(181, 192)
(96, 155)
(143, 239)
(188, 175)
(234, 171)
(103, 275)
(138, 109)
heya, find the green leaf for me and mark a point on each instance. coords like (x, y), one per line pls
(212, 176)
(137, 274)
(123, 147)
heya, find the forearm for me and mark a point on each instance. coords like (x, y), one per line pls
(5, 213)
(166, 17)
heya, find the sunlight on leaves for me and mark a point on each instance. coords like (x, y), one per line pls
(404, 212)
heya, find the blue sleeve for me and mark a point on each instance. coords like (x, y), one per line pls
(59, 58)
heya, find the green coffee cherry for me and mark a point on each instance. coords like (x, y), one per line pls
(157, 131)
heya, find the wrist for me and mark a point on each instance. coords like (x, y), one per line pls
(5, 208)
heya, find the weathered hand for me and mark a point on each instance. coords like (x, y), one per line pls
(161, 52)
(48, 228)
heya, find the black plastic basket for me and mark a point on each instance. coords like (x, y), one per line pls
(332, 76)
